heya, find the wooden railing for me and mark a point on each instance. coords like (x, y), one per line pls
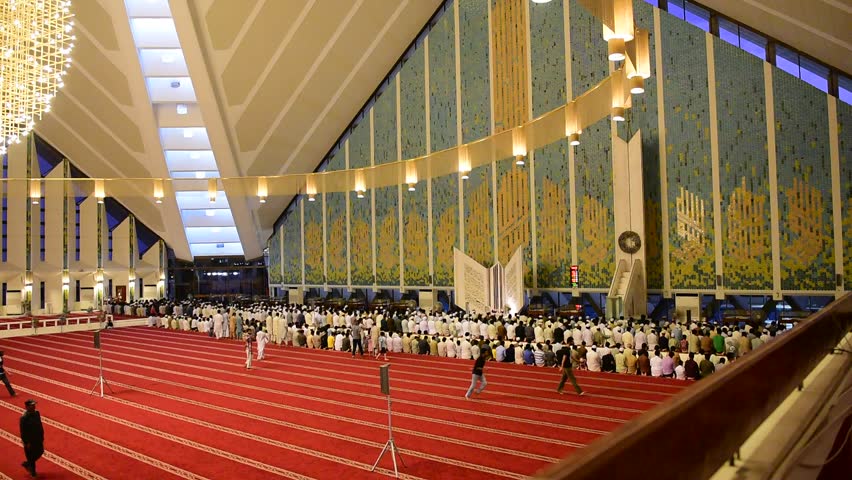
(695, 432)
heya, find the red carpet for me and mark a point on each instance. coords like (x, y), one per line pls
(185, 407)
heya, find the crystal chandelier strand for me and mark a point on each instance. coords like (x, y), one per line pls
(36, 39)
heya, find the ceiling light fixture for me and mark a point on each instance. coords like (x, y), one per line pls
(182, 109)
(210, 213)
(168, 58)
(199, 174)
(187, 133)
(194, 155)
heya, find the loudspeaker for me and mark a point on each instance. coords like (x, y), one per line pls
(384, 378)
(98, 339)
(839, 280)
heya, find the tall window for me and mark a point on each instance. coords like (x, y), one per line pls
(77, 290)
(42, 202)
(77, 231)
(109, 245)
(5, 210)
(41, 295)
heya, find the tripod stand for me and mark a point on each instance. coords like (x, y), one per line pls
(390, 445)
(101, 380)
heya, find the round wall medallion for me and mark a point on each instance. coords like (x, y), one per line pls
(629, 242)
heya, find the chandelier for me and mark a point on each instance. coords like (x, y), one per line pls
(35, 44)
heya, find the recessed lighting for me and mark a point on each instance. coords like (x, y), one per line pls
(168, 58)
(210, 213)
(182, 109)
(175, 84)
(187, 133)
(195, 155)
(215, 230)
(199, 174)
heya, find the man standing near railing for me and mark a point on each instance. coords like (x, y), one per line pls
(3, 377)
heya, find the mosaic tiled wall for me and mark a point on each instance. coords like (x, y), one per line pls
(314, 242)
(387, 198)
(415, 212)
(688, 162)
(552, 205)
(844, 127)
(593, 158)
(804, 185)
(743, 168)
(291, 237)
(802, 150)
(475, 87)
(643, 117)
(274, 248)
(360, 212)
(335, 218)
(443, 134)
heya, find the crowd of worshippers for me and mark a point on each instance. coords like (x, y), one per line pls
(630, 346)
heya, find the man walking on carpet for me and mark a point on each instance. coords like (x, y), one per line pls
(3, 377)
(478, 376)
(568, 373)
(32, 436)
(249, 339)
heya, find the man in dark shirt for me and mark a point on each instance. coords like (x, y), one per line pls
(691, 367)
(3, 377)
(32, 436)
(423, 345)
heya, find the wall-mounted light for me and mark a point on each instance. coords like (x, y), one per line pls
(100, 192)
(618, 96)
(464, 162)
(35, 191)
(158, 191)
(312, 197)
(574, 139)
(572, 123)
(638, 67)
(359, 193)
(519, 146)
(622, 30)
(411, 176)
(262, 189)
(212, 187)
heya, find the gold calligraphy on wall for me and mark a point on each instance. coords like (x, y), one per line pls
(334, 248)
(361, 255)
(690, 226)
(513, 212)
(446, 237)
(805, 231)
(595, 230)
(479, 242)
(415, 246)
(553, 223)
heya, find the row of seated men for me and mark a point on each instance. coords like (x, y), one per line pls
(614, 338)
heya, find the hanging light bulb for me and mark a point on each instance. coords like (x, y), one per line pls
(621, 31)
(99, 190)
(464, 162)
(411, 175)
(574, 139)
(158, 191)
(35, 191)
(572, 122)
(212, 187)
(618, 96)
(519, 146)
(262, 190)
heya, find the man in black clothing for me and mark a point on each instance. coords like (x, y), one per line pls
(32, 436)
(423, 345)
(3, 377)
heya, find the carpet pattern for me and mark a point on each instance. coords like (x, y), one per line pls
(185, 407)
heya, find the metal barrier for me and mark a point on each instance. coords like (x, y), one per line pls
(704, 426)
